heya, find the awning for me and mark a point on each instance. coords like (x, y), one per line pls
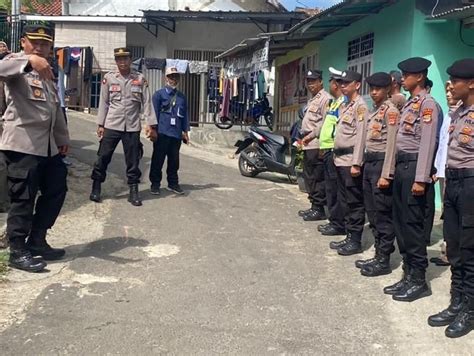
(337, 17)
(464, 14)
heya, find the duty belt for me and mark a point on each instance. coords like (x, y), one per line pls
(460, 173)
(374, 156)
(343, 151)
(406, 157)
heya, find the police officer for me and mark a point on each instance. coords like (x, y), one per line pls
(173, 127)
(336, 225)
(313, 164)
(396, 96)
(379, 169)
(459, 205)
(416, 144)
(34, 136)
(348, 157)
(124, 95)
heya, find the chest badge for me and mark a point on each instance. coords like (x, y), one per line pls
(466, 130)
(37, 93)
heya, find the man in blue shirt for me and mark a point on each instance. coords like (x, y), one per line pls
(173, 126)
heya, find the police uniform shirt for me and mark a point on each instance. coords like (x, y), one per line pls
(314, 117)
(34, 122)
(398, 100)
(122, 99)
(461, 138)
(351, 132)
(417, 133)
(382, 130)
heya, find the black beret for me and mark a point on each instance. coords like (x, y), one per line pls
(397, 76)
(379, 79)
(464, 68)
(38, 32)
(122, 52)
(414, 65)
(314, 74)
(351, 76)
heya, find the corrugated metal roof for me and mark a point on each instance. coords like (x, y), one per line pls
(457, 13)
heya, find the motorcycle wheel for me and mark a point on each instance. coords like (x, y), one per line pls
(244, 167)
(222, 122)
(269, 120)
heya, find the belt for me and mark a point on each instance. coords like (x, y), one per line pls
(460, 173)
(374, 156)
(343, 151)
(406, 157)
(325, 150)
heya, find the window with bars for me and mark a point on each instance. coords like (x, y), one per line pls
(360, 57)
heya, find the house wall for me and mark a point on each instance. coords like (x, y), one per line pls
(103, 38)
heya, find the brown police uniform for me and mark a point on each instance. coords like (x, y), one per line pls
(398, 100)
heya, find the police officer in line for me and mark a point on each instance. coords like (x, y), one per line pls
(124, 95)
(173, 127)
(416, 144)
(313, 164)
(459, 205)
(348, 157)
(336, 224)
(34, 135)
(396, 96)
(379, 169)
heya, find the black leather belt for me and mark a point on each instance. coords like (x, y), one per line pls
(343, 151)
(406, 157)
(374, 156)
(460, 173)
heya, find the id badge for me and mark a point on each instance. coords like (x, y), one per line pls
(173, 121)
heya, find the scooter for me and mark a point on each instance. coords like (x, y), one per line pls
(263, 151)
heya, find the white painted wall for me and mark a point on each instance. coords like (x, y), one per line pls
(154, 47)
(103, 38)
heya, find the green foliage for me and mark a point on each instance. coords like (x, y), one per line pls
(6, 5)
(299, 159)
(3, 263)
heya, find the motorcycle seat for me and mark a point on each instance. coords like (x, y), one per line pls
(277, 138)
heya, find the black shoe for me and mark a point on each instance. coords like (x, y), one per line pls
(155, 189)
(335, 245)
(438, 261)
(38, 246)
(175, 189)
(381, 267)
(304, 212)
(400, 285)
(315, 214)
(22, 259)
(95, 194)
(329, 230)
(448, 315)
(350, 248)
(363, 263)
(415, 288)
(133, 197)
(464, 322)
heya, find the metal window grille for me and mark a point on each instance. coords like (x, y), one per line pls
(137, 52)
(360, 58)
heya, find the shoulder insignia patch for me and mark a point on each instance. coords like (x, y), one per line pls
(361, 111)
(392, 118)
(427, 115)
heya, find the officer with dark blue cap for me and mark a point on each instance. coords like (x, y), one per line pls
(459, 205)
(413, 184)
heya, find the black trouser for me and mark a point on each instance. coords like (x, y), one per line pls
(429, 214)
(313, 174)
(459, 232)
(132, 148)
(409, 213)
(378, 205)
(165, 146)
(28, 174)
(336, 207)
(350, 190)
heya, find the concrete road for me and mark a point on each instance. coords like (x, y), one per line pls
(226, 269)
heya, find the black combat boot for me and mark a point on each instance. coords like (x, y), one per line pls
(317, 213)
(335, 245)
(379, 268)
(95, 193)
(22, 259)
(464, 322)
(304, 212)
(330, 230)
(415, 288)
(352, 247)
(448, 315)
(38, 246)
(363, 263)
(134, 197)
(397, 287)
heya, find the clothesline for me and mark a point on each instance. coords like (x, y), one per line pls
(182, 65)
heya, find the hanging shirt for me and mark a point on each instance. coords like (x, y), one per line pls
(171, 110)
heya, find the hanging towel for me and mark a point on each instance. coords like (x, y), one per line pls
(154, 63)
(88, 61)
(198, 67)
(67, 62)
(225, 107)
(261, 84)
(180, 64)
(75, 54)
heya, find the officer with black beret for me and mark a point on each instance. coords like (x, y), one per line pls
(379, 169)
(416, 145)
(459, 204)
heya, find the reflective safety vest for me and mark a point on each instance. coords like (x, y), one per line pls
(328, 131)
